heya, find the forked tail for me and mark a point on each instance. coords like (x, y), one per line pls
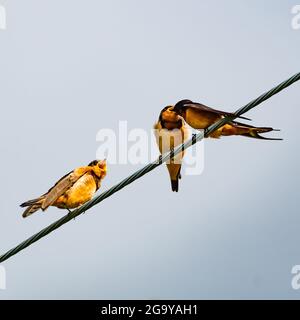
(237, 128)
(33, 206)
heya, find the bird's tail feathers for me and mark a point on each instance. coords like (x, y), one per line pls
(33, 206)
(255, 133)
(175, 175)
(237, 128)
(175, 185)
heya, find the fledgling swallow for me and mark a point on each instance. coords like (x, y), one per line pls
(200, 116)
(171, 131)
(72, 190)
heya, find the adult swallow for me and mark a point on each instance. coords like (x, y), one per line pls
(171, 131)
(199, 116)
(72, 190)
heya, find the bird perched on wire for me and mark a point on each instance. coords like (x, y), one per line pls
(199, 116)
(171, 131)
(72, 190)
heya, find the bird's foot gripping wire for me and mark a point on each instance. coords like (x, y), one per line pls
(70, 212)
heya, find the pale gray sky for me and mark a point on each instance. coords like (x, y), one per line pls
(70, 68)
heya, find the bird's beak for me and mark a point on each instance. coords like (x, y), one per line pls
(176, 109)
(102, 163)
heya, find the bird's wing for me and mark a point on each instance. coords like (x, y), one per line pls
(157, 127)
(202, 107)
(62, 186)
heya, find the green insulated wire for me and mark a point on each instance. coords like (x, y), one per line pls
(149, 167)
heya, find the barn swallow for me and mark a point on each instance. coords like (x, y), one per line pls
(72, 190)
(171, 131)
(200, 116)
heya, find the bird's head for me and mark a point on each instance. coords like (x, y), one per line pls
(180, 106)
(168, 114)
(99, 168)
